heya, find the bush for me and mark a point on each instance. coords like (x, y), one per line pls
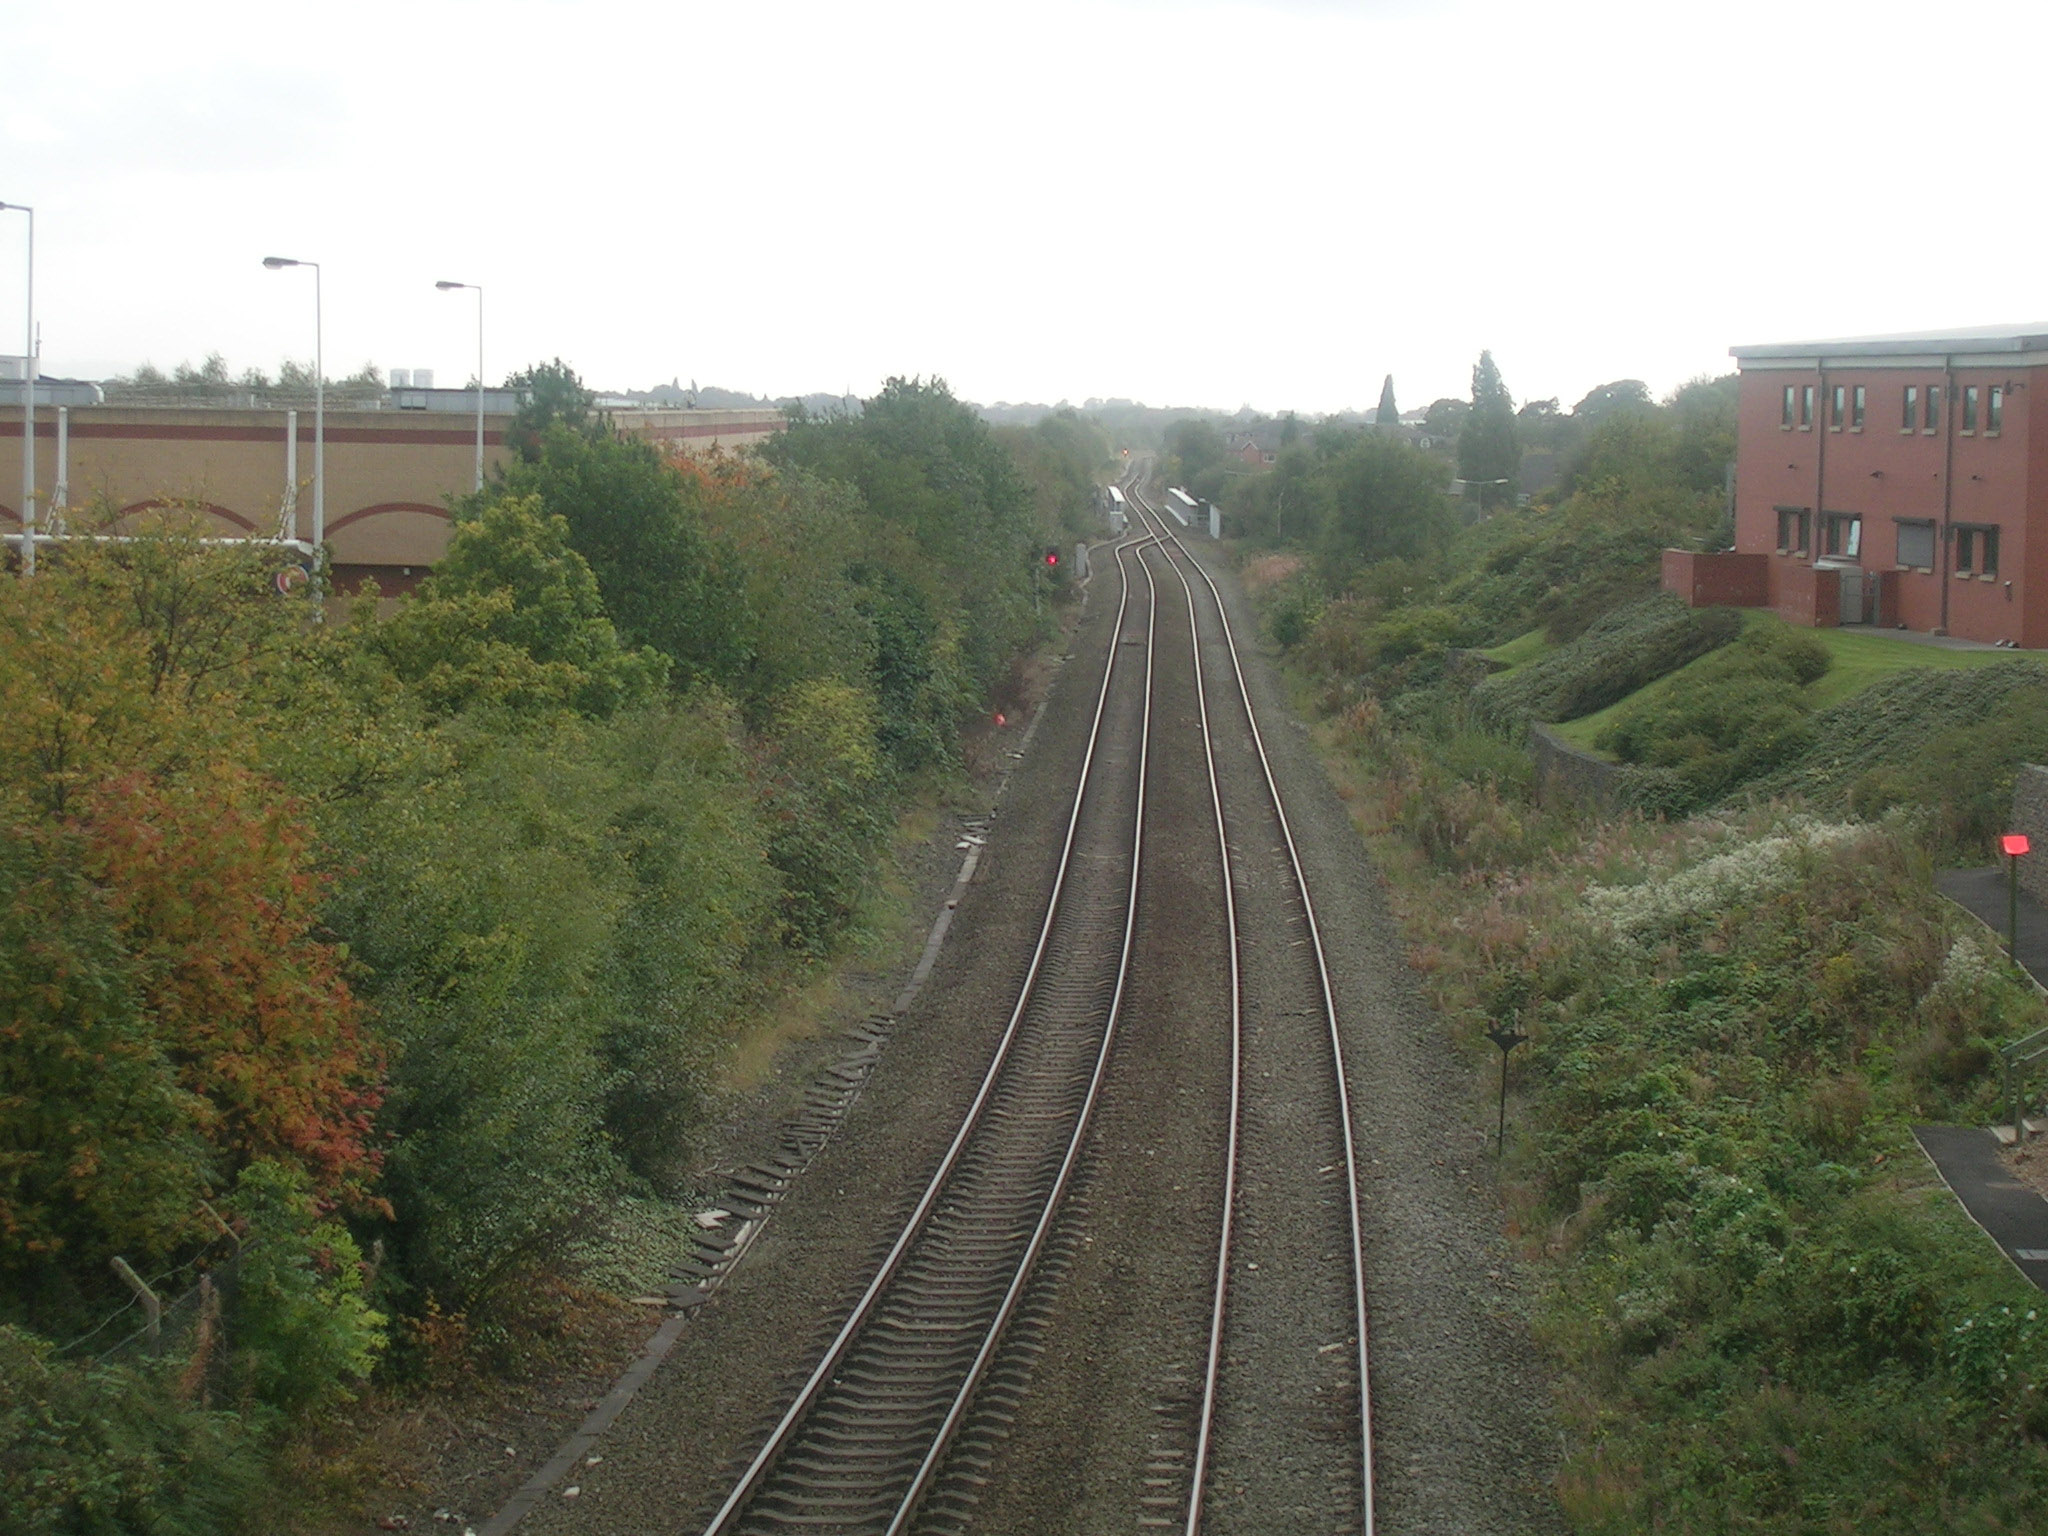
(1731, 716)
(1945, 743)
(301, 1330)
(1621, 653)
(105, 1450)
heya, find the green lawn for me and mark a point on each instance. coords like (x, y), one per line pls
(1861, 657)
(1520, 649)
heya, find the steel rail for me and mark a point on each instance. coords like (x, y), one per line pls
(1171, 540)
(928, 1468)
(1213, 1364)
(751, 1480)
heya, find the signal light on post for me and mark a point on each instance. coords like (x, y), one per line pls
(1052, 556)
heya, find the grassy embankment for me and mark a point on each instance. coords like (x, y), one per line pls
(1765, 1313)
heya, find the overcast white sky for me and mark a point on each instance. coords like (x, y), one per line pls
(1204, 204)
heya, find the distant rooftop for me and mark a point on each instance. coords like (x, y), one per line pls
(2030, 337)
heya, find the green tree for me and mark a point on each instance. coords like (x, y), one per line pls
(1388, 416)
(1487, 451)
(549, 392)
(638, 522)
(1604, 400)
(1384, 501)
(512, 616)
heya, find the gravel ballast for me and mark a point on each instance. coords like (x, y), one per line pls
(1104, 1371)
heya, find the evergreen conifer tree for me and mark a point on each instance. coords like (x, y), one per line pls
(1487, 451)
(1389, 414)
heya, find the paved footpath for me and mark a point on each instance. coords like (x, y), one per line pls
(2011, 1214)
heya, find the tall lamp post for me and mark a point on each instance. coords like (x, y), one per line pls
(479, 287)
(28, 403)
(276, 263)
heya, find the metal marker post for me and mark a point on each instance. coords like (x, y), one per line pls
(2013, 845)
(1507, 1037)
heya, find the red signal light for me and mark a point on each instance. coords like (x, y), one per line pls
(1052, 557)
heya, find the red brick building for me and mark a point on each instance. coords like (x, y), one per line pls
(1890, 480)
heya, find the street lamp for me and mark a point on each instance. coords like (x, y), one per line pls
(479, 287)
(275, 263)
(28, 404)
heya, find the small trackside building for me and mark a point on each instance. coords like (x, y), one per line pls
(1891, 480)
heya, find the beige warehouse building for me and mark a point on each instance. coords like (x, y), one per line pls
(390, 471)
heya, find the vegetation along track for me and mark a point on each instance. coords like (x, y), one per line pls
(858, 1448)
(1283, 1428)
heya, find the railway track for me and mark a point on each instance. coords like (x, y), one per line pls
(1287, 1339)
(1277, 1431)
(859, 1447)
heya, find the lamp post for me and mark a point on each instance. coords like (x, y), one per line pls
(1482, 486)
(2014, 846)
(28, 404)
(276, 263)
(479, 287)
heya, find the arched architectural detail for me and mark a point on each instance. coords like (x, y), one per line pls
(335, 524)
(390, 533)
(213, 509)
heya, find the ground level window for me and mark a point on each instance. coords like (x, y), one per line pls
(1793, 525)
(1909, 418)
(1916, 545)
(1994, 411)
(1856, 404)
(1838, 407)
(1786, 420)
(1969, 407)
(1976, 550)
(1930, 418)
(1805, 406)
(1842, 535)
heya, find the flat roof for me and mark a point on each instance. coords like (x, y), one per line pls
(2031, 337)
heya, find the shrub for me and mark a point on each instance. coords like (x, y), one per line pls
(1619, 654)
(101, 1450)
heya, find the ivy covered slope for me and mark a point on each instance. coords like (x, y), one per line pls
(1765, 1312)
(365, 980)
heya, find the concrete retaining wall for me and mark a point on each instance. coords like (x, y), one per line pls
(1564, 772)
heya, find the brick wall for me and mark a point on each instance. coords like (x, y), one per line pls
(1808, 596)
(1717, 580)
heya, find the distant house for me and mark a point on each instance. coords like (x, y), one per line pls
(1258, 446)
(1889, 480)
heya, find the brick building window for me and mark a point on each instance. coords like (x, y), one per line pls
(1916, 544)
(1976, 550)
(1910, 417)
(1930, 416)
(1994, 411)
(1857, 401)
(1786, 420)
(1806, 407)
(1838, 407)
(1970, 408)
(1841, 535)
(1794, 524)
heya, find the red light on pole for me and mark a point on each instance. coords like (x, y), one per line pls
(2014, 844)
(1052, 557)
